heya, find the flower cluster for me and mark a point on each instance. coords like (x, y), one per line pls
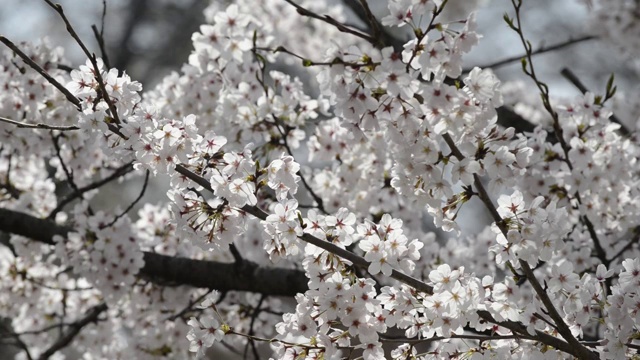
(534, 232)
(281, 230)
(386, 247)
(105, 254)
(206, 330)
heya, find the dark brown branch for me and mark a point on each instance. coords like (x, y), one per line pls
(169, 270)
(99, 35)
(17, 341)
(540, 50)
(134, 202)
(249, 276)
(118, 173)
(382, 37)
(329, 20)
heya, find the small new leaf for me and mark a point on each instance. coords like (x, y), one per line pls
(508, 20)
(610, 83)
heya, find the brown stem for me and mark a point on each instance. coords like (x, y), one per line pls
(72, 99)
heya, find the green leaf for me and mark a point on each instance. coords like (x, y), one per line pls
(597, 100)
(508, 20)
(610, 82)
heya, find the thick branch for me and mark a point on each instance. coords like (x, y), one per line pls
(329, 20)
(168, 270)
(377, 31)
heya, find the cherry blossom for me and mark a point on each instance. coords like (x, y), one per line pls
(327, 170)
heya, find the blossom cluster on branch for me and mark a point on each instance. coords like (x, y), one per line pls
(328, 176)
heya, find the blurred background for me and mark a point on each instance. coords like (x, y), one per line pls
(145, 38)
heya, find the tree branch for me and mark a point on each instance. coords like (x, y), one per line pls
(329, 20)
(118, 173)
(169, 270)
(378, 32)
(38, 126)
(540, 50)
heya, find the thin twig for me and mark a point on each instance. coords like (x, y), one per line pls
(189, 307)
(254, 316)
(481, 338)
(67, 172)
(282, 128)
(119, 172)
(140, 195)
(308, 62)
(527, 67)
(625, 248)
(540, 50)
(306, 185)
(99, 35)
(92, 58)
(38, 126)
(74, 329)
(43, 330)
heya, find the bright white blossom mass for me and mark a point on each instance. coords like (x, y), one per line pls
(317, 187)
